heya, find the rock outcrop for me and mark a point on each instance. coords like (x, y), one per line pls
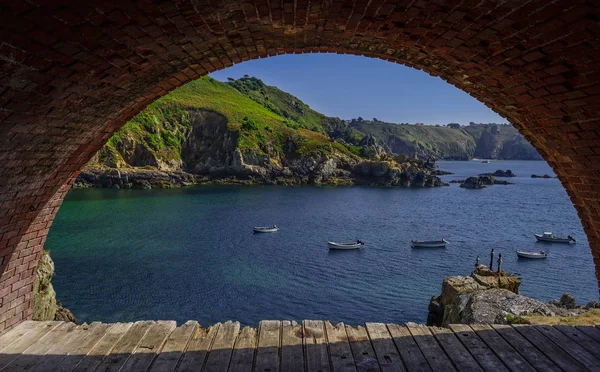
(494, 306)
(538, 176)
(492, 297)
(46, 307)
(480, 182)
(500, 173)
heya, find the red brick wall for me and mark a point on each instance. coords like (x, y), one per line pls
(73, 72)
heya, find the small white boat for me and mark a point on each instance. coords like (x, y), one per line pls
(549, 237)
(266, 229)
(429, 243)
(535, 255)
(485, 161)
(343, 246)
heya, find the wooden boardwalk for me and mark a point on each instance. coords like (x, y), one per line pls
(287, 346)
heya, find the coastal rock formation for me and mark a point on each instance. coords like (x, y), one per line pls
(500, 173)
(488, 296)
(480, 182)
(494, 306)
(46, 307)
(544, 176)
(493, 279)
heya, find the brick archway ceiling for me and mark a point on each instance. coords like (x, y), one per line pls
(73, 72)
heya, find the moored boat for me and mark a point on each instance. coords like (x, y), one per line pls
(266, 229)
(549, 237)
(534, 255)
(344, 246)
(485, 161)
(429, 243)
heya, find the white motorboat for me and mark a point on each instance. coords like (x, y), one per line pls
(534, 255)
(429, 243)
(485, 161)
(344, 246)
(266, 229)
(549, 237)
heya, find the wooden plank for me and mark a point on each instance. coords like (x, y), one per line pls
(413, 358)
(36, 352)
(242, 358)
(509, 356)
(292, 353)
(76, 338)
(222, 348)
(101, 350)
(197, 349)
(125, 346)
(339, 349)
(592, 332)
(315, 344)
(571, 347)
(12, 351)
(364, 355)
(78, 351)
(432, 351)
(267, 354)
(547, 347)
(18, 331)
(578, 336)
(385, 349)
(530, 353)
(455, 350)
(150, 346)
(484, 356)
(174, 347)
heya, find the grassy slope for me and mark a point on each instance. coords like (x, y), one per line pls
(163, 124)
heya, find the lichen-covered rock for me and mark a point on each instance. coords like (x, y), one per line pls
(452, 286)
(494, 306)
(44, 296)
(45, 306)
(493, 279)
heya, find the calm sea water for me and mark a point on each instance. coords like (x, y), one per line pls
(124, 255)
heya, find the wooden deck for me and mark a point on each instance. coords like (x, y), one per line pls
(287, 346)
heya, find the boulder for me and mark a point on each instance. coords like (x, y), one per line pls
(493, 306)
(500, 173)
(567, 301)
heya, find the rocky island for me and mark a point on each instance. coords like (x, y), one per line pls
(480, 182)
(246, 132)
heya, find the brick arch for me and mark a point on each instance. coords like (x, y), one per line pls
(72, 73)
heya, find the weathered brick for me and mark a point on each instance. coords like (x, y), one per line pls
(70, 81)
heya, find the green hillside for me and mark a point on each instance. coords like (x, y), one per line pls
(263, 117)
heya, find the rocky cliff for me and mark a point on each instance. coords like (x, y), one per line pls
(452, 142)
(244, 132)
(46, 306)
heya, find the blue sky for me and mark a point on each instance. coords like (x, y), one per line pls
(348, 86)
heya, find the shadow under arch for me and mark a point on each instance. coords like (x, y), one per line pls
(74, 74)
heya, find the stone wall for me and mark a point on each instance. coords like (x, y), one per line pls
(72, 73)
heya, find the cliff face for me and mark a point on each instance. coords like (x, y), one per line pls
(488, 141)
(46, 306)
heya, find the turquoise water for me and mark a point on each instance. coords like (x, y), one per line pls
(124, 255)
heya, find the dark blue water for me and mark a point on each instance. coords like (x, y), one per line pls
(124, 255)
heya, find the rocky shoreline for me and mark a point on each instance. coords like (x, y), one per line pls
(384, 172)
(492, 297)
